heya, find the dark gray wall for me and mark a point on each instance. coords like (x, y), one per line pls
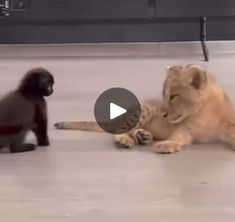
(75, 21)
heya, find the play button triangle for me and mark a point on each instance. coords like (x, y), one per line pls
(116, 111)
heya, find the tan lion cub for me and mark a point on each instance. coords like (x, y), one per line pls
(194, 109)
(198, 107)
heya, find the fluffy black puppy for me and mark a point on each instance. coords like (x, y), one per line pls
(25, 109)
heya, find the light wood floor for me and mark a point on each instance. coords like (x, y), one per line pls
(83, 177)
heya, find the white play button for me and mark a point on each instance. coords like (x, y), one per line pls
(114, 108)
(116, 111)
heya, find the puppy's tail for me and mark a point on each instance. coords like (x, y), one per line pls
(79, 125)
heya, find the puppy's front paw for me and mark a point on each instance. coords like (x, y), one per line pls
(143, 137)
(43, 142)
(124, 141)
(166, 147)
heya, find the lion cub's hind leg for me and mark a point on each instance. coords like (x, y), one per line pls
(124, 141)
(229, 135)
(142, 137)
(138, 136)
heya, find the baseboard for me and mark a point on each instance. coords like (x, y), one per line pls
(167, 49)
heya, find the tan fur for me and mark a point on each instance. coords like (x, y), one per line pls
(198, 107)
(194, 108)
(79, 125)
(150, 111)
(151, 126)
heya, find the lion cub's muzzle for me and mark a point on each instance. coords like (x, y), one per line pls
(171, 116)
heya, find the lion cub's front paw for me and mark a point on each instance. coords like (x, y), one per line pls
(124, 141)
(166, 147)
(143, 137)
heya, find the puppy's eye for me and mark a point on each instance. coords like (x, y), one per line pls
(173, 96)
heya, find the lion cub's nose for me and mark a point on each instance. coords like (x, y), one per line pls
(163, 112)
(165, 115)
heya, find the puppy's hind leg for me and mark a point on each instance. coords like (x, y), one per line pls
(40, 131)
(17, 145)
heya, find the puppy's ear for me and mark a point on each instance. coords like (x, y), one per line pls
(196, 77)
(29, 83)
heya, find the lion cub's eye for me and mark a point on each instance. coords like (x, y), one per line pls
(173, 96)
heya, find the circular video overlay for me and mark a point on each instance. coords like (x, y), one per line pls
(117, 110)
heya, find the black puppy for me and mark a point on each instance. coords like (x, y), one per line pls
(24, 110)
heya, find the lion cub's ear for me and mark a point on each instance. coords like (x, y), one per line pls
(173, 69)
(189, 65)
(168, 70)
(197, 77)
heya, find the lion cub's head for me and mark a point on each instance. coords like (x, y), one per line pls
(182, 92)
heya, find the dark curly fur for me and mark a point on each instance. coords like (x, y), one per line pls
(25, 109)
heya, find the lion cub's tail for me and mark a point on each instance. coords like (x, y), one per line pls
(79, 125)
